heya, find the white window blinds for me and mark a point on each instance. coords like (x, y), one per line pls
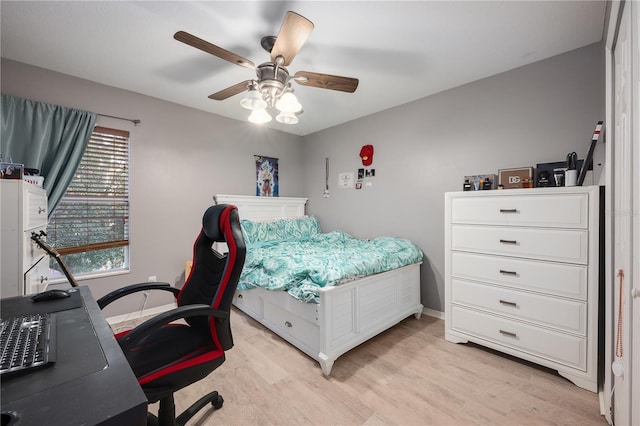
(94, 212)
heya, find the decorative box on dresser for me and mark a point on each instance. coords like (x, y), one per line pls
(522, 275)
(25, 266)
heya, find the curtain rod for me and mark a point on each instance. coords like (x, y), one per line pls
(135, 121)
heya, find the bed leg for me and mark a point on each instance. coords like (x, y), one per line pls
(326, 364)
(418, 313)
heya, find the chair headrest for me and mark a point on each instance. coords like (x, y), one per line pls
(211, 222)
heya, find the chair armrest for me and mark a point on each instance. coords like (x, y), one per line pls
(134, 288)
(142, 330)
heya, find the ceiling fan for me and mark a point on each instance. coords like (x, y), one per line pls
(272, 86)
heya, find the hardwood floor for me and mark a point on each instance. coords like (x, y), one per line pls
(408, 375)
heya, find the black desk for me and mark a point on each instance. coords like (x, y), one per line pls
(90, 383)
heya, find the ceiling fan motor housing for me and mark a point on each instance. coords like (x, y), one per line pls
(272, 80)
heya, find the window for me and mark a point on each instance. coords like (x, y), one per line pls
(90, 225)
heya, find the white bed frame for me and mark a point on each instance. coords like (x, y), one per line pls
(347, 315)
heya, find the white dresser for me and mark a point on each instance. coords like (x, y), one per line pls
(522, 275)
(24, 266)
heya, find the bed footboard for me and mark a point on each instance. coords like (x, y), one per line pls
(354, 312)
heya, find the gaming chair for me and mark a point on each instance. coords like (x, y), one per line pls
(167, 356)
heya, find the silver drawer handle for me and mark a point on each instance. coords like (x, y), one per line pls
(508, 241)
(506, 302)
(503, 272)
(41, 210)
(508, 210)
(288, 324)
(508, 333)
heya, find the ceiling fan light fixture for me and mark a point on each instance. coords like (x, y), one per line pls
(288, 102)
(287, 118)
(259, 116)
(253, 100)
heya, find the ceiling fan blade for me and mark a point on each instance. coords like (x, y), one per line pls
(230, 91)
(293, 33)
(205, 46)
(326, 81)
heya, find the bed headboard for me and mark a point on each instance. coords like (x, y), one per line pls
(264, 208)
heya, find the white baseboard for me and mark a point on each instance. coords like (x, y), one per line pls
(143, 313)
(433, 313)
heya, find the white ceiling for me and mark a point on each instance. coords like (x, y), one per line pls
(400, 51)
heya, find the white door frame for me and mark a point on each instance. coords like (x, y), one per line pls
(635, 283)
(622, 224)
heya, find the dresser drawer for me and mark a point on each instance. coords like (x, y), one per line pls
(555, 346)
(564, 314)
(37, 278)
(565, 211)
(559, 279)
(35, 209)
(561, 245)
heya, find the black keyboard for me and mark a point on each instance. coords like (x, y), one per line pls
(27, 342)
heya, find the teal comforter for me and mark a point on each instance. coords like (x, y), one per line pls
(302, 266)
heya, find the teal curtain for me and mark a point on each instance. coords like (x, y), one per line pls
(47, 137)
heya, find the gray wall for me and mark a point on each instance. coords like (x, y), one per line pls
(534, 114)
(181, 156)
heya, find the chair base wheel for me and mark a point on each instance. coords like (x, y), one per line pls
(166, 410)
(217, 402)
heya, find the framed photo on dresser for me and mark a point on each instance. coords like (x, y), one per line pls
(521, 177)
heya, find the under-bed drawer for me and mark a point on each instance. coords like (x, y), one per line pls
(555, 346)
(290, 326)
(246, 300)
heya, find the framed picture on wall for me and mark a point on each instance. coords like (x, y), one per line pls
(266, 176)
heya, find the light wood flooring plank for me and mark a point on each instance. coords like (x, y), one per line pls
(408, 375)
